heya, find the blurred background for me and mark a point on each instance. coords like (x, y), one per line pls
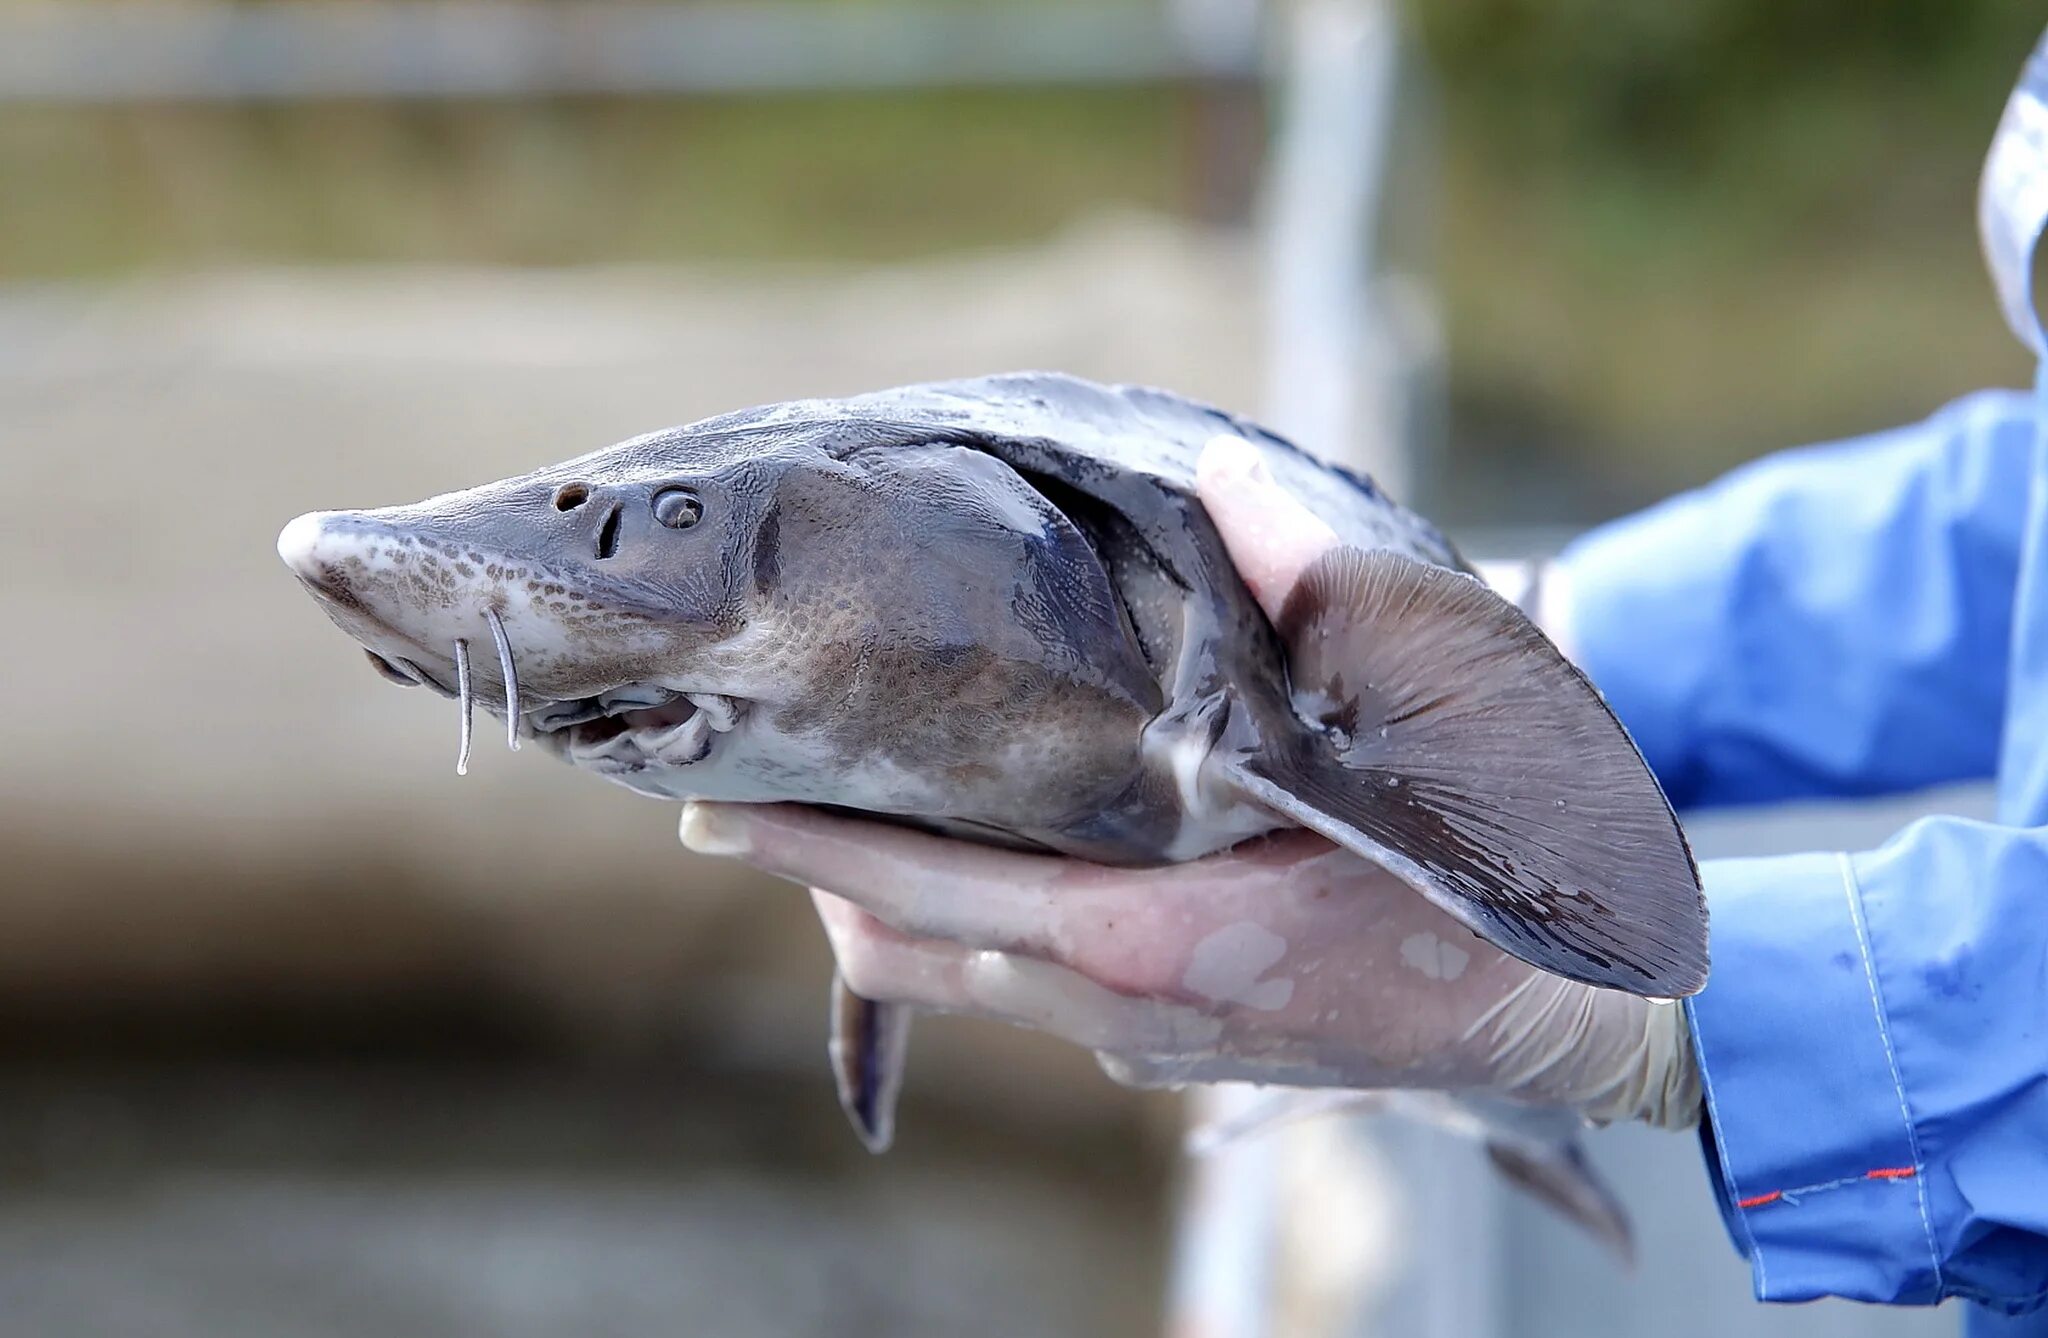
(300, 1035)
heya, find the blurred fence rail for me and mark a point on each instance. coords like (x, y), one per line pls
(129, 50)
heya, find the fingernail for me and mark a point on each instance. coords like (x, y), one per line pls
(713, 829)
(837, 913)
(1232, 457)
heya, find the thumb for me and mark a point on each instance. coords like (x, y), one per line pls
(1271, 536)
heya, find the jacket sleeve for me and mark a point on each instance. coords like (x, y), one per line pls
(1831, 621)
(1874, 1044)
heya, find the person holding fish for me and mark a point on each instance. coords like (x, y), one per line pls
(1208, 756)
(1868, 1064)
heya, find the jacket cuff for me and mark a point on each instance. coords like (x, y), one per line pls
(1811, 1144)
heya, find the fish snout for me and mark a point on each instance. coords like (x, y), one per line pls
(354, 568)
(320, 548)
(548, 599)
(392, 586)
(298, 543)
(410, 589)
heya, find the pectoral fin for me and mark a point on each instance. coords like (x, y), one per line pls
(869, 1046)
(1444, 737)
(1559, 1177)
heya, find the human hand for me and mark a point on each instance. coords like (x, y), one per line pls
(1287, 960)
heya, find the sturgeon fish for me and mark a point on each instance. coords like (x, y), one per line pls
(992, 608)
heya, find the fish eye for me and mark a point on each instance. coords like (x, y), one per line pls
(677, 508)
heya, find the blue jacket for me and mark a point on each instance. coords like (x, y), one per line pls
(1855, 619)
(1848, 620)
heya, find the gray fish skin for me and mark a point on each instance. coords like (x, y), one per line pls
(903, 626)
(910, 628)
(994, 609)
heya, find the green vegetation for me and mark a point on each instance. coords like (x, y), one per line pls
(1684, 233)
(1668, 235)
(561, 182)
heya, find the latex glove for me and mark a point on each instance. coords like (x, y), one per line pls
(1286, 960)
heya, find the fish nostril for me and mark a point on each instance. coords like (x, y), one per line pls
(570, 496)
(608, 534)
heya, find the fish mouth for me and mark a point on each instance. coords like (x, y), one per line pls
(405, 672)
(418, 631)
(636, 727)
(620, 731)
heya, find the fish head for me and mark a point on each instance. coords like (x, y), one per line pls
(809, 593)
(593, 602)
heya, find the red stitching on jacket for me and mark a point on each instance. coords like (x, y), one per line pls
(1794, 1195)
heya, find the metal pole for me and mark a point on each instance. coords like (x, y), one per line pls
(1323, 206)
(1232, 1274)
(1227, 1238)
(116, 51)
